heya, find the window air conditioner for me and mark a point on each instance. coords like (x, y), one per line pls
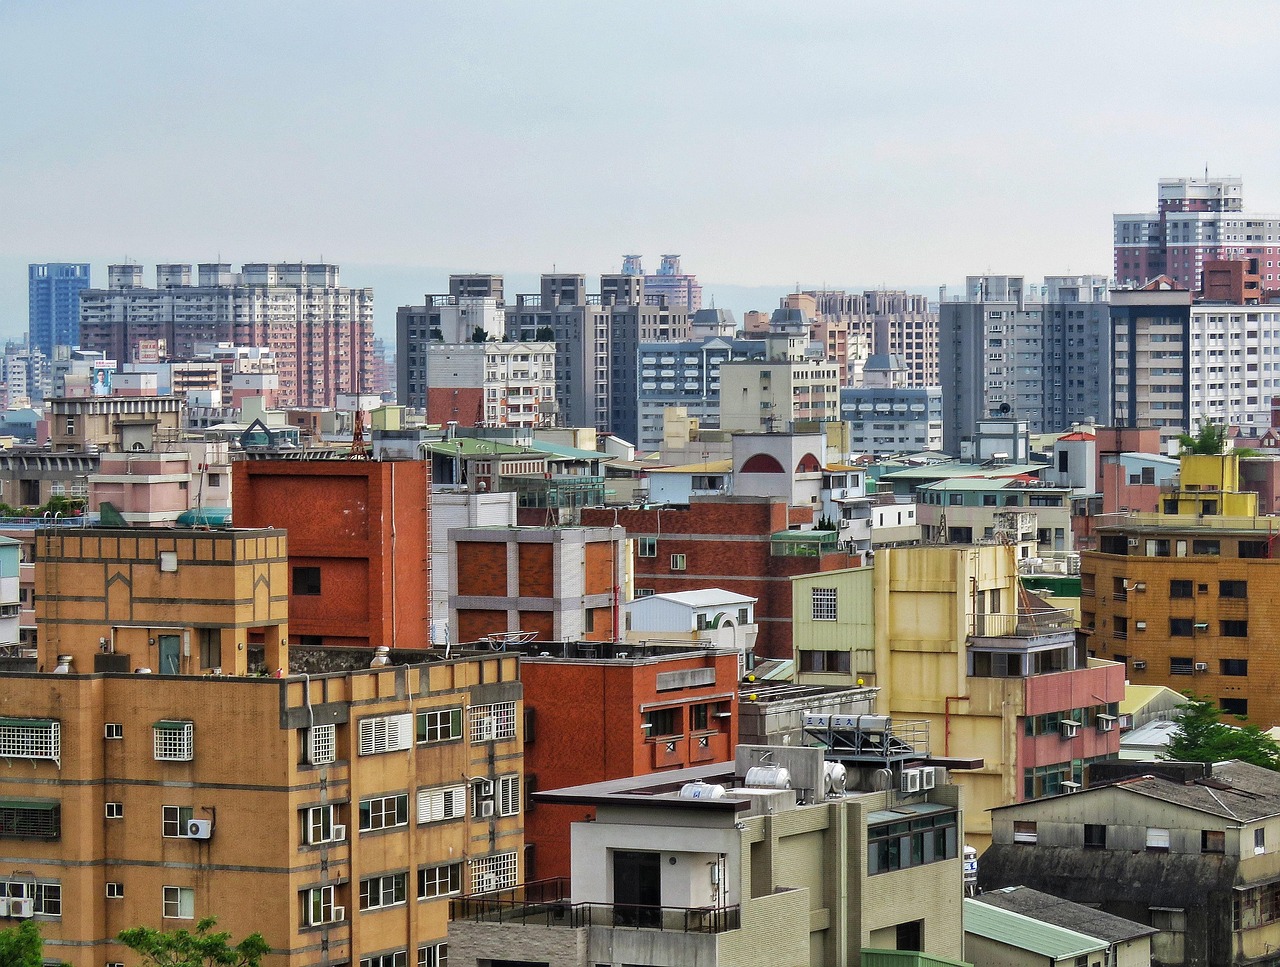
(338, 915)
(1202, 666)
(199, 829)
(1133, 542)
(928, 777)
(1069, 728)
(486, 809)
(484, 787)
(1071, 786)
(911, 780)
(338, 834)
(1139, 665)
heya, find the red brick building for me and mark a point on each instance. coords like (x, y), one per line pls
(598, 712)
(359, 545)
(740, 544)
(559, 583)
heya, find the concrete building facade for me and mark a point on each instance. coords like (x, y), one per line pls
(53, 304)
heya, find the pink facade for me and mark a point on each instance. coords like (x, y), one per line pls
(147, 488)
(1075, 693)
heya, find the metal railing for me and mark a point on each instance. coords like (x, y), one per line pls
(545, 903)
(1029, 624)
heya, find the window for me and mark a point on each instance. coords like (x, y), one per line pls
(437, 805)
(1025, 832)
(45, 895)
(1157, 839)
(388, 890)
(663, 722)
(433, 955)
(1233, 666)
(1205, 547)
(822, 602)
(174, 821)
(115, 891)
(30, 819)
(322, 744)
(1180, 589)
(319, 823)
(1181, 666)
(646, 546)
(509, 796)
(30, 739)
(677, 562)
(397, 958)
(114, 810)
(490, 722)
(1233, 589)
(825, 661)
(179, 903)
(1213, 841)
(496, 872)
(113, 730)
(318, 906)
(911, 842)
(955, 500)
(306, 580)
(386, 733)
(439, 725)
(1095, 836)
(434, 881)
(1233, 629)
(384, 812)
(173, 741)
(1234, 706)
(699, 717)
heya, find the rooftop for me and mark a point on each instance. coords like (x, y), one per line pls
(1026, 933)
(935, 471)
(1054, 910)
(702, 598)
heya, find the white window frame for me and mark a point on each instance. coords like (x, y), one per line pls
(325, 897)
(679, 562)
(380, 891)
(45, 895)
(31, 739)
(434, 955)
(824, 604)
(441, 804)
(322, 744)
(646, 547)
(318, 823)
(178, 899)
(492, 722)
(175, 818)
(113, 730)
(439, 725)
(396, 958)
(386, 733)
(171, 744)
(383, 811)
(508, 795)
(438, 881)
(114, 890)
(113, 810)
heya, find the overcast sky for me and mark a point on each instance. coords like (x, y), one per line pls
(851, 144)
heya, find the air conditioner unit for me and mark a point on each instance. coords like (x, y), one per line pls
(1202, 626)
(911, 780)
(1202, 666)
(23, 908)
(486, 809)
(1133, 542)
(338, 834)
(1139, 665)
(928, 777)
(4, 906)
(1069, 728)
(1140, 625)
(199, 829)
(484, 787)
(339, 914)
(1071, 786)
(1106, 723)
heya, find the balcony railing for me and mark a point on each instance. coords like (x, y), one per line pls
(1030, 624)
(545, 903)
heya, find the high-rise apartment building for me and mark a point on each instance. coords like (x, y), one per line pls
(881, 321)
(1042, 355)
(679, 288)
(53, 303)
(1197, 220)
(320, 332)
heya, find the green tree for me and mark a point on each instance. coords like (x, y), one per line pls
(182, 948)
(1210, 439)
(1203, 737)
(22, 946)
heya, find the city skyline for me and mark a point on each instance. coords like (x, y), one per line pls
(904, 147)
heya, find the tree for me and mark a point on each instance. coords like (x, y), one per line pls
(1210, 439)
(181, 948)
(1202, 736)
(22, 946)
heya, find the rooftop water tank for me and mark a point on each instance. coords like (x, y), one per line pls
(835, 778)
(701, 790)
(768, 777)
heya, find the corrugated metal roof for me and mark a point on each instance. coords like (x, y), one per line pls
(713, 466)
(1063, 913)
(702, 598)
(1026, 933)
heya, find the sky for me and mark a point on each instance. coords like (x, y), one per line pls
(845, 144)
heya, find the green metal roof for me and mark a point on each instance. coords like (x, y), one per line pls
(803, 536)
(42, 804)
(993, 483)
(1026, 933)
(471, 447)
(571, 453)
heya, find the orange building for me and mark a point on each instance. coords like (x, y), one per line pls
(359, 545)
(556, 583)
(635, 709)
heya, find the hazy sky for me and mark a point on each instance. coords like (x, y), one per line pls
(853, 144)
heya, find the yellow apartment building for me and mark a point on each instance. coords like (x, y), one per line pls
(335, 811)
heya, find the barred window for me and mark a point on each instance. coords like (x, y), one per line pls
(496, 872)
(508, 795)
(434, 881)
(30, 819)
(386, 733)
(433, 955)
(384, 812)
(439, 725)
(174, 741)
(31, 739)
(497, 721)
(823, 601)
(323, 744)
(437, 805)
(383, 891)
